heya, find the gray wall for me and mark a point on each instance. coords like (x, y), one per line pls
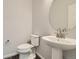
(42, 27)
(17, 24)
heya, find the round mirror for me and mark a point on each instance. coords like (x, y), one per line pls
(62, 14)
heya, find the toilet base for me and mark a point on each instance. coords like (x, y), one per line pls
(27, 56)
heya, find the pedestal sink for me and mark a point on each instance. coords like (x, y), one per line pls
(58, 45)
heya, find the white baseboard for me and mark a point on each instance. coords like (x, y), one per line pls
(40, 55)
(10, 55)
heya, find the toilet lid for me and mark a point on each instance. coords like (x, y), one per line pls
(24, 46)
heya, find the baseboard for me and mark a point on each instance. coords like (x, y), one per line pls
(40, 55)
(10, 55)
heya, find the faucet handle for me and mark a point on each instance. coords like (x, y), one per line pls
(64, 30)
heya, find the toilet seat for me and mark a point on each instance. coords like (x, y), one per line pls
(24, 48)
(24, 51)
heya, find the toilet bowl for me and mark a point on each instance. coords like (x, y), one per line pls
(25, 50)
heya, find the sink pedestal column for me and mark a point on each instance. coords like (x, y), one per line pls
(57, 53)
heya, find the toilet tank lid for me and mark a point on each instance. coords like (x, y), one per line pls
(34, 35)
(24, 46)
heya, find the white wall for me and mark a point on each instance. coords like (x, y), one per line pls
(17, 23)
(42, 27)
(70, 54)
(40, 13)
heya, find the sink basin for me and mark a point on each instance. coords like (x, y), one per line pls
(58, 45)
(61, 43)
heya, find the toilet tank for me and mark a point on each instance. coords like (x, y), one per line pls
(35, 40)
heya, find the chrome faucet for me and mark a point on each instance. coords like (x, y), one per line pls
(60, 33)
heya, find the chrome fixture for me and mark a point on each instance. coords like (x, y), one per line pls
(61, 33)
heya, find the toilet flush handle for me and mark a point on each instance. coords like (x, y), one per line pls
(7, 41)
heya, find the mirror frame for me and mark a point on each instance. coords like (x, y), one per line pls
(68, 29)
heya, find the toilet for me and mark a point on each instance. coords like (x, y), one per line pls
(25, 50)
